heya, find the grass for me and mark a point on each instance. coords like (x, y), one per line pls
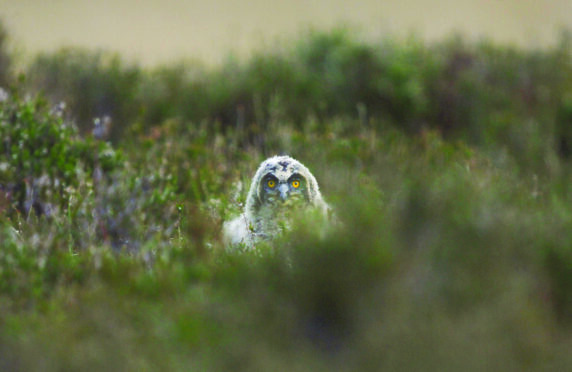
(446, 169)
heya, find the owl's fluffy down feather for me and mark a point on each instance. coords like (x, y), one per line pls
(259, 219)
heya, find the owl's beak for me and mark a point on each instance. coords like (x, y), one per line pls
(283, 189)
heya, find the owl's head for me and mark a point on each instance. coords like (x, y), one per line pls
(283, 181)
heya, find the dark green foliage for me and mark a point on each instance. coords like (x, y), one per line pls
(93, 84)
(42, 156)
(5, 58)
(446, 166)
(498, 97)
(564, 127)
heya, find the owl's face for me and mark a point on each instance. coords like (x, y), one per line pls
(281, 184)
(284, 190)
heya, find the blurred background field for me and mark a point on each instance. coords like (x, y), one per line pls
(157, 32)
(446, 159)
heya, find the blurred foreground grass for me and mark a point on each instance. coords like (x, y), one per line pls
(447, 167)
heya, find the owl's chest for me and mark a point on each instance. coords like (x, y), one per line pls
(275, 218)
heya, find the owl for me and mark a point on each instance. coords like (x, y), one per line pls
(281, 185)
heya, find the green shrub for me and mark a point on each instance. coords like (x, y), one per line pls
(498, 97)
(42, 156)
(5, 59)
(92, 84)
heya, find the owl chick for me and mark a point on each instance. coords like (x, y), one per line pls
(281, 185)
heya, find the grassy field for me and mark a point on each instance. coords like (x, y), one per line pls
(447, 165)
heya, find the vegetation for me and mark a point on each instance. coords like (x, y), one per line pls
(447, 166)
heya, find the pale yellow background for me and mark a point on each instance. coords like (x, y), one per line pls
(158, 31)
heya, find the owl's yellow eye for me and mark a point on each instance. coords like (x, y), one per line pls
(295, 184)
(271, 183)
